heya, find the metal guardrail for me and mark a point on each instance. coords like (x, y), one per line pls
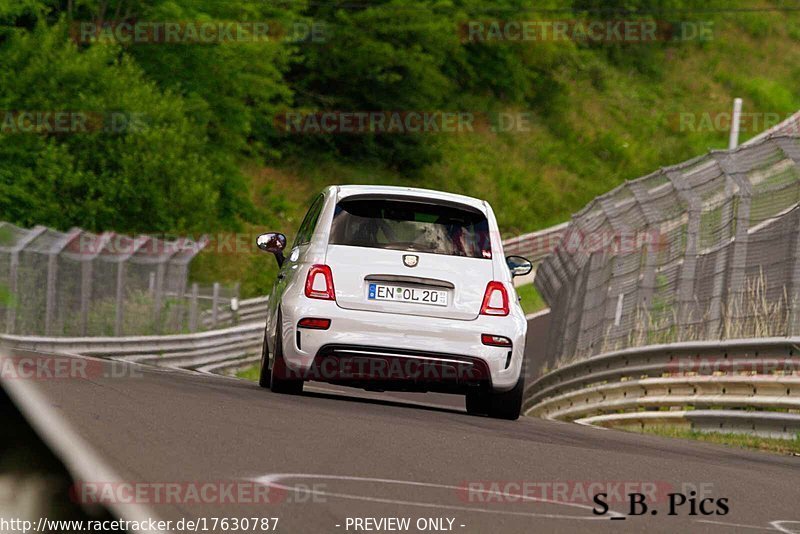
(220, 351)
(738, 386)
(535, 245)
(249, 310)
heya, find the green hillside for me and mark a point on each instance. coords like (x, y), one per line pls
(213, 156)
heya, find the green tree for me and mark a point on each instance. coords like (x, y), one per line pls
(157, 173)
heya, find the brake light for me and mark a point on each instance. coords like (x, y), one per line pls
(495, 341)
(314, 323)
(495, 300)
(319, 283)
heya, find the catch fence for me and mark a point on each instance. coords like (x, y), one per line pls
(77, 283)
(707, 249)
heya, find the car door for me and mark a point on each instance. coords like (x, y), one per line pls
(294, 258)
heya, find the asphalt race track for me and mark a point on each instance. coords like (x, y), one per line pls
(334, 453)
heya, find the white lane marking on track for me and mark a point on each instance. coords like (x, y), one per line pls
(271, 480)
(778, 525)
(589, 425)
(81, 460)
(775, 526)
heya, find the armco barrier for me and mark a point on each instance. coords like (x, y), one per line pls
(739, 386)
(216, 351)
(535, 245)
(249, 310)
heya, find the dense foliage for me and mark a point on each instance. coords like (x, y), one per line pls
(191, 137)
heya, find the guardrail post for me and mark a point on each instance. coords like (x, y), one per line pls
(215, 305)
(234, 306)
(193, 308)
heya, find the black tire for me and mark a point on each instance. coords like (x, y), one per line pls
(265, 375)
(508, 404)
(281, 379)
(477, 402)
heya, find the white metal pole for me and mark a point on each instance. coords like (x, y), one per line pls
(733, 141)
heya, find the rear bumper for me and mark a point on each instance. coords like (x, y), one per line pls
(391, 351)
(386, 368)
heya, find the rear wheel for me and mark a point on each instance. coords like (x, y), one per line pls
(264, 376)
(281, 380)
(507, 404)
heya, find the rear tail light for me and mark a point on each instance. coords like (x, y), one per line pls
(495, 300)
(495, 341)
(319, 283)
(314, 323)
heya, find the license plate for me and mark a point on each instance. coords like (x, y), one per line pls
(435, 297)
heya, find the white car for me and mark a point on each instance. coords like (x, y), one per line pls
(396, 288)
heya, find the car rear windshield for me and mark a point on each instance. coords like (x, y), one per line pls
(411, 226)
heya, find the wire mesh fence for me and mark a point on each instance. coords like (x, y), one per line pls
(77, 283)
(707, 249)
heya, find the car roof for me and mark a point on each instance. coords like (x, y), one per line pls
(416, 192)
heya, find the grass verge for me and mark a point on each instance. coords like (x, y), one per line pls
(741, 441)
(249, 373)
(531, 301)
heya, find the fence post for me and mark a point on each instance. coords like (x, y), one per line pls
(86, 293)
(120, 298)
(50, 299)
(733, 138)
(737, 257)
(686, 276)
(193, 308)
(715, 326)
(565, 340)
(793, 294)
(11, 314)
(158, 296)
(646, 286)
(215, 305)
(790, 149)
(617, 285)
(13, 286)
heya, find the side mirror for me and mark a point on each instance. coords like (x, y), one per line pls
(518, 265)
(273, 243)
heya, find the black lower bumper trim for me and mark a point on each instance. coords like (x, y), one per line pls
(398, 369)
